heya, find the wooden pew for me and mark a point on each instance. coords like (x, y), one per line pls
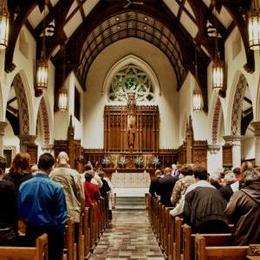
(69, 249)
(203, 252)
(177, 245)
(39, 252)
(171, 238)
(211, 240)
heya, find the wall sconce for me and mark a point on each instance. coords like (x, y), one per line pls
(4, 25)
(253, 26)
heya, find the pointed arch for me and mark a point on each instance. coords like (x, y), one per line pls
(257, 106)
(23, 105)
(1, 104)
(216, 121)
(131, 59)
(237, 105)
(43, 116)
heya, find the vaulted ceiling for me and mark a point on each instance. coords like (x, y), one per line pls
(80, 29)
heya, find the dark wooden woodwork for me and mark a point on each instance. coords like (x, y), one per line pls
(116, 132)
(199, 153)
(166, 157)
(192, 151)
(72, 147)
(32, 149)
(227, 155)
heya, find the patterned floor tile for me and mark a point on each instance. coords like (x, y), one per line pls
(129, 236)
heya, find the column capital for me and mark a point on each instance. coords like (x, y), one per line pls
(3, 125)
(48, 148)
(256, 126)
(213, 148)
(27, 139)
(232, 139)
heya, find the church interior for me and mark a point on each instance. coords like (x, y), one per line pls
(131, 86)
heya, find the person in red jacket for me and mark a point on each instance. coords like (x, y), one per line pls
(92, 193)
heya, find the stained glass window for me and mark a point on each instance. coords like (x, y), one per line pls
(131, 79)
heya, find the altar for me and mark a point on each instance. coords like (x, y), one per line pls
(131, 184)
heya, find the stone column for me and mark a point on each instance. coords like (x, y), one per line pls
(256, 126)
(3, 124)
(214, 158)
(235, 142)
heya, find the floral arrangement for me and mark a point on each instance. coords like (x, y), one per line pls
(156, 161)
(139, 161)
(122, 161)
(106, 161)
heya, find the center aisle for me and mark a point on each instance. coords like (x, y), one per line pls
(129, 237)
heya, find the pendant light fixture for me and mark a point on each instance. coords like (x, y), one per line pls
(42, 63)
(63, 94)
(218, 64)
(196, 95)
(253, 26)
(4, 24)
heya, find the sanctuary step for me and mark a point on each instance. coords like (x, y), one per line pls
(130, 203)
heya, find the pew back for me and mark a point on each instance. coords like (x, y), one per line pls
(39, 252)
(211, 240)
(203, 252)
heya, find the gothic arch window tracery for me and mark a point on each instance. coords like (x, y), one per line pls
(131, 79)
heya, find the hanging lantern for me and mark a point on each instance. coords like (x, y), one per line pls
(42, 73)
(254, 26)
(4, 24)
(63, 100)
(217, 73)
(196, 101)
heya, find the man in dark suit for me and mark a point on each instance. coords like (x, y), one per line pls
(165, 187)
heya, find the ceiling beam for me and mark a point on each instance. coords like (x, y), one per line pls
(242, 27)
(57, 13)
(248, 100)
(19, 11)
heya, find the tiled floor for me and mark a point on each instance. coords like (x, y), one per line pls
(129, 237)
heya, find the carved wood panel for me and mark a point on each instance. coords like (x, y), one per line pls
(145, 134)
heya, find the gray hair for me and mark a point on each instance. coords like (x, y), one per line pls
(229, 177)
(251, 175)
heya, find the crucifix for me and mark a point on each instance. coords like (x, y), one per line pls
(131, 120)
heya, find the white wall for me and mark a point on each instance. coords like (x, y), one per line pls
(94, 101)
(248, 148)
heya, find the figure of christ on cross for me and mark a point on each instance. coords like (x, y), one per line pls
(131, 120)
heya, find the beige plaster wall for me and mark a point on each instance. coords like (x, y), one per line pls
(94, 100)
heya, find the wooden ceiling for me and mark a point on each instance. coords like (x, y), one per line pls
(81, 29)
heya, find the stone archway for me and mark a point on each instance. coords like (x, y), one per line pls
(217, 115)
(22, 104)
(44, 121)
(237, 105)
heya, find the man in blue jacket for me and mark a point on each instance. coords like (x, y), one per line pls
(42, 206)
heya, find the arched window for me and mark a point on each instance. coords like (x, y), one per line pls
(131, 79)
